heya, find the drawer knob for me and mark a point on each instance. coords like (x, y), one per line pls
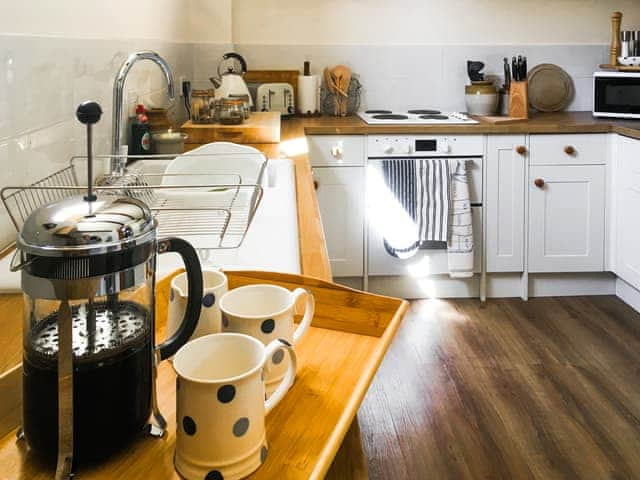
(569, 150)
(336, 150)
(539, 182)
(521, 149)
(315, 184)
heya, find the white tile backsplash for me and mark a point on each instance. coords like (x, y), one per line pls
(400, 76)
(42, 80)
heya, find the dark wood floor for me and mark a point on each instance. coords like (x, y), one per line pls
(545, 389)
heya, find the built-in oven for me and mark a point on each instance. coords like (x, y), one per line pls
(427, 261)
(616, 94)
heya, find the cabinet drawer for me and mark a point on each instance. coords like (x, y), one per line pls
(568, 149)
(336, 150)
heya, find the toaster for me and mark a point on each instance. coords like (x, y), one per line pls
(275, 97)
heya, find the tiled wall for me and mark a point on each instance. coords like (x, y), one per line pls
(403, 76)
(43, 79)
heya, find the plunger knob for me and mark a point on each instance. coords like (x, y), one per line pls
(89, 112)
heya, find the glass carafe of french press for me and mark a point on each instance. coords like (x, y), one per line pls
(88, 267)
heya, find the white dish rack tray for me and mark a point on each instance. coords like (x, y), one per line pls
(212, 210)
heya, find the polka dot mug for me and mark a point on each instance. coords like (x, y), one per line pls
(214, 285)
(266, 312)
(221, 404)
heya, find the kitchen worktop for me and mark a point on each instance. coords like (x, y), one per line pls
(560, 122)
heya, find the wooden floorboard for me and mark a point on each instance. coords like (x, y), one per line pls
(545, 389)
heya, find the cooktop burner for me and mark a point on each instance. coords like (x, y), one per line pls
(375, 112)
(391, 116)
(414, 117)
(424, 112)
(434, 117)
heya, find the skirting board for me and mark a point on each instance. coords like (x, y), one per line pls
(498, 285)
(628, 294)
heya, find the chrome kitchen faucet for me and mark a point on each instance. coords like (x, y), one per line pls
(118, 162)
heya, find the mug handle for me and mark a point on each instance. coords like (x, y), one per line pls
(289, 377)
(309, 310)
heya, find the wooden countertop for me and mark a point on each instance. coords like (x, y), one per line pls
(561, 122)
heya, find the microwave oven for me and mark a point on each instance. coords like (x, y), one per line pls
(616, 94)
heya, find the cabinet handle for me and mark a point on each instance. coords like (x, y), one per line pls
(539, 182)
(336, 150)
(569, 150)
(315, 185)
(521, 149)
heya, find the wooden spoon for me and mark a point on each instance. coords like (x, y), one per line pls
(342, 76)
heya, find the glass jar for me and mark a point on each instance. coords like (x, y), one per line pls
(232, 111)
(246, 103)
(202, 106)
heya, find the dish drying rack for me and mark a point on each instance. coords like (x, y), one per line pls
(211, 210)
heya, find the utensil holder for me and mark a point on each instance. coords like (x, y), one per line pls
(518, 100)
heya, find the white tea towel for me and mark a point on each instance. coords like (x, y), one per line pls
(460, 244)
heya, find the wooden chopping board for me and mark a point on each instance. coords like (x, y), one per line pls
(261, 127)
(550, 88)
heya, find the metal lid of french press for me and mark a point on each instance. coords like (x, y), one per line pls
(87, 224)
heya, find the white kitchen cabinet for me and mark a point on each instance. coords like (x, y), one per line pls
(566, 218)
(505, 196)
(336, 150)
(568, 149)
(628, 211)
(340, 193)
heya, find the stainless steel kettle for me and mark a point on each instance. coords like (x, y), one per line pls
(230, 79)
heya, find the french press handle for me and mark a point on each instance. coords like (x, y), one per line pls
(194, 302)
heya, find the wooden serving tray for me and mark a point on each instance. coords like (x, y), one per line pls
(337, 360)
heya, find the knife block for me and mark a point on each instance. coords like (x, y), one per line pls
(518, 100)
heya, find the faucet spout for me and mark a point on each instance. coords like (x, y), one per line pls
(118, 163)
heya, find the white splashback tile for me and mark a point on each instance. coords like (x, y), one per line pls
(42, 80)
(399, 76)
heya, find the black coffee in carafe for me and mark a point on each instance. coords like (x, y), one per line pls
(111, 382)
(88, 265)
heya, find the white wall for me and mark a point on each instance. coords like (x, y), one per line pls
(384, 22)
(172, 20)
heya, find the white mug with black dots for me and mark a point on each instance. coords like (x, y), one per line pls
(214, 285)
(266, 312)
(221, 404)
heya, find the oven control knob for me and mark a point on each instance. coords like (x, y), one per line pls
(388, 149)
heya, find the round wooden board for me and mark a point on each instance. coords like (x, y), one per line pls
(550, 88)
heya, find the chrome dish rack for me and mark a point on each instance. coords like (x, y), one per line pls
(211, 210)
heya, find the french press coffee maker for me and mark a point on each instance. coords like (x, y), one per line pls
(88, 267)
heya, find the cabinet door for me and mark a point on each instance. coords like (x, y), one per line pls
(628, 202)
(505, 203)
(566, 218)
(340, 193)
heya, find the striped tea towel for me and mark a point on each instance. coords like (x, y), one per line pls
(401, 234)
(422, 187)
(460, 244)
(433, 198)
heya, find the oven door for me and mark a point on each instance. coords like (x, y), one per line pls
(616, 95)
(427, 261)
